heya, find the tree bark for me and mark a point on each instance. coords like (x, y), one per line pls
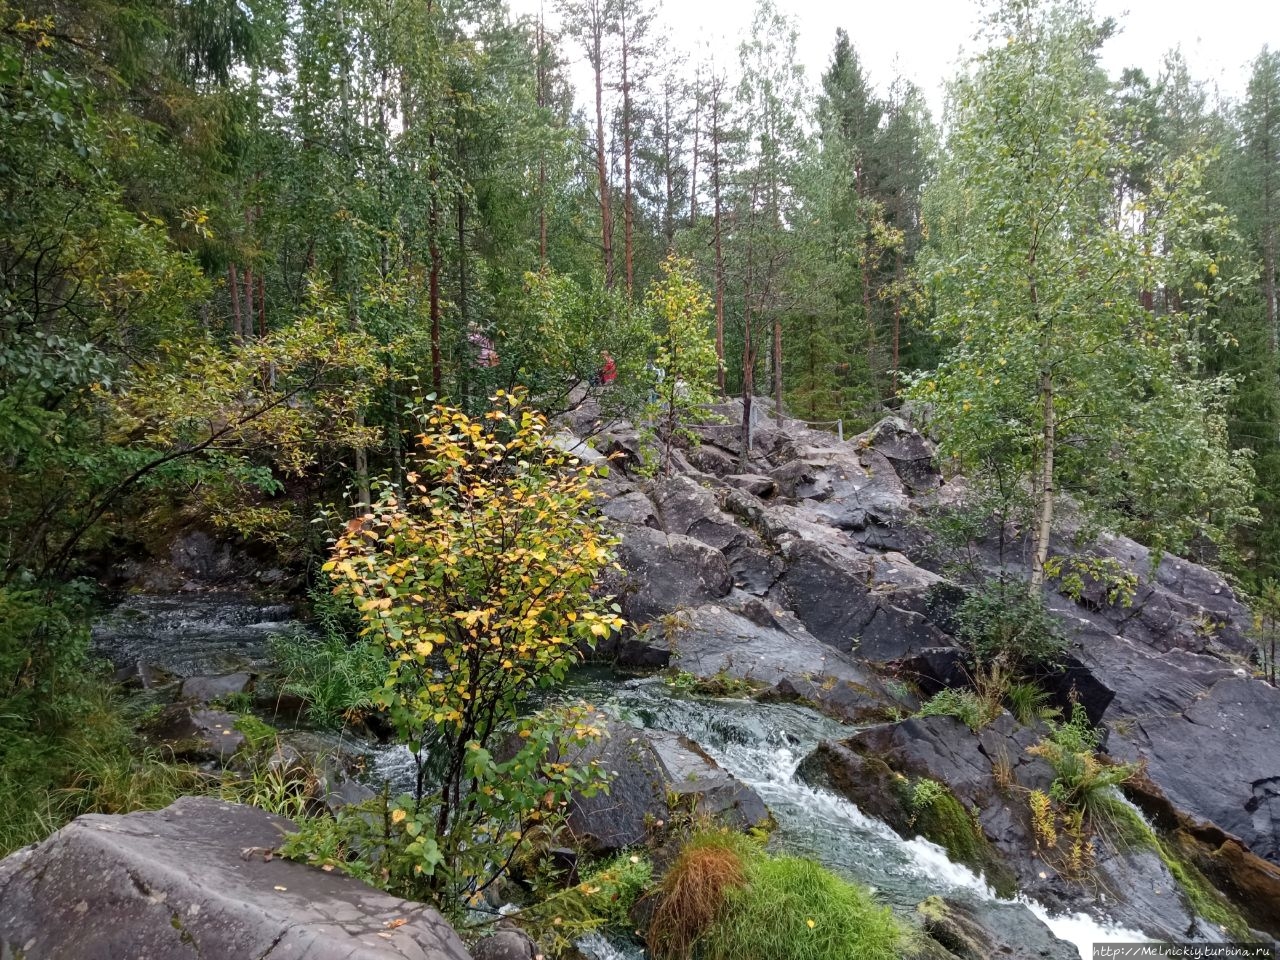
(602, 173)
(1044, 520)
(718, 225)
(627, 148)
(233, 287)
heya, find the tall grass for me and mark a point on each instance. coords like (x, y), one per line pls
(93, 765)
(727, 899)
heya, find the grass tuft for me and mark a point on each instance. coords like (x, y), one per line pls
(694, 892)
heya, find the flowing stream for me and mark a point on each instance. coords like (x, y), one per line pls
(762, 744)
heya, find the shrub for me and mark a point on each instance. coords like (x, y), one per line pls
(1000, 622)
(726, 899)
(686, 355)
(966, 705)
(477, 580)
(338, 678)
(69, 747)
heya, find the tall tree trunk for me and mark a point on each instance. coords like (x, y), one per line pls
(627, 149)
(669, 164)
(233, 287)
(718, 225)
(462, 261)
(1269, 272)
(897, 315)
(1045, 484)
(777, 367)
(602, 172)
(542, 154)
(433, 291)
(248, 301)
(1044, 481)
(693, 160)
(262, 307)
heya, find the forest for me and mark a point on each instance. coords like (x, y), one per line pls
(245, 247)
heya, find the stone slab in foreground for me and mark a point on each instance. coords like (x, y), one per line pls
(178, 883)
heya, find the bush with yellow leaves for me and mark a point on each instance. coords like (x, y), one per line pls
(477, 579)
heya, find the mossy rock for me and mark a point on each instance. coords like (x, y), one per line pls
(944, 820)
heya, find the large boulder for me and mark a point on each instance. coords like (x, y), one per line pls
(907, 452)
(1006, 930)
(656, 774)
(193, 880)
(773, 650)
(1219, 760)
(665, 572)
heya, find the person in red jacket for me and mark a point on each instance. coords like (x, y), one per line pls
(608, 370)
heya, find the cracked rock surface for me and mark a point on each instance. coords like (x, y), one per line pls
(193, 881)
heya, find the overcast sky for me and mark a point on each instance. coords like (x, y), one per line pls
(922, 39)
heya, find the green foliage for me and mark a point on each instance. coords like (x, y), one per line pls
(553, 340)
(685, 355)
(1053, 363)
(80, 755)
(963, 704)
(336, 673)
(1082, 782)
(476, 580)
(725, 897)
(937, 815)
(1027, 702)
(1077, 573)
(790, 908)
(288, 791)
(605, 898)
(1001, 623)
(1266, 629)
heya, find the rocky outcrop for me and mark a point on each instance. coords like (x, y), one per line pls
(772, 650)
(897, 772)
(655, 775)
(196, 880)
(807, 567)
(1009, 931)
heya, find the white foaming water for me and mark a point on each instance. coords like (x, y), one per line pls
(772, 773)
(1083, 930)
(598, 948)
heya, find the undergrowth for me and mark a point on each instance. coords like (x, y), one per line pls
(727, 899)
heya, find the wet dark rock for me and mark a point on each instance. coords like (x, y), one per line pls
(754, 483)
(775, 652)
(192, 881)
(1219, 761)
(632, 507)
(685, 507)
(712, 459)
(505, 945)
(908, 452)
(656, 774)
(1008, 930)
(197, 734)
(665, 572)
(141, 674)
(208, 689)
(1250, 882)
(989, 773)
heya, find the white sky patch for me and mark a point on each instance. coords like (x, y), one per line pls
(922, 40)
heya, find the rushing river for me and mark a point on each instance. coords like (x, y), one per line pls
(761, 744)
